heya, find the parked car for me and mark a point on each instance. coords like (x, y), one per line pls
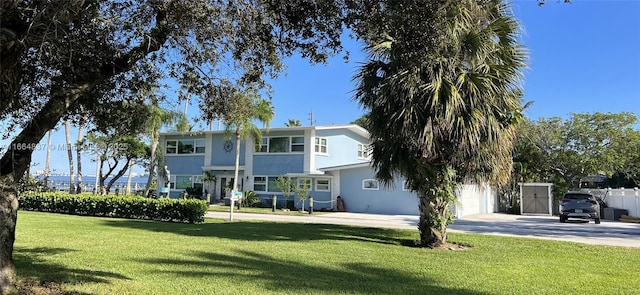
(579, 205)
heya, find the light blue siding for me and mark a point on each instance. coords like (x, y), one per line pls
(277, 164)
(221, 157)
(383, 201)
(342, 147)
(185, 165)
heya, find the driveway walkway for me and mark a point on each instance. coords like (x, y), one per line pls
(542, 227)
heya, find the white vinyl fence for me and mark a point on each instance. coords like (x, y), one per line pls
(622, 198)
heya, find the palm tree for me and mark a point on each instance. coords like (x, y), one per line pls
(243, 109)
(293, 123)
(442, 89)
(159, 117)
(67, 132)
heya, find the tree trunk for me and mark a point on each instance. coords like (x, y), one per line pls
(8, 219)
(83, 122)
(152, 162)
(47, 161)
(434, 205)
(121, 172)
(67, 132)
(237, 162)
(127, 190)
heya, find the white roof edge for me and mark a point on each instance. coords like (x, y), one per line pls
(205, 168)
(347, 166)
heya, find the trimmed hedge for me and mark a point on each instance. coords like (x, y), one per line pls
(134, 207)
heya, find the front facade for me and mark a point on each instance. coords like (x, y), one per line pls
(332, 160)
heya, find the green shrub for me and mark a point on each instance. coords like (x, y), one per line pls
(251, 199)
(134, 207)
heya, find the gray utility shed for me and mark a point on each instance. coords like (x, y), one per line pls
(536, 198)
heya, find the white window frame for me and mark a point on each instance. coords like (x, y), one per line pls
(320, 187)
(265, 146)
(301, 182)
(264, 181)
(363, 151)
(192, 178)
(365, 185)
(297, 144)
(196, 143)
(405, 188)
(319, 145)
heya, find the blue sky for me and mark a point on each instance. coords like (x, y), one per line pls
(584, 57)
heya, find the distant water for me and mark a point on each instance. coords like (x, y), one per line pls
(88, 183)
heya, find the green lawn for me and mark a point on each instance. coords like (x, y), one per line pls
(222, 208)
(90, 255)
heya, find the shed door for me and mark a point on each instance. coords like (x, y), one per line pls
(535, 200)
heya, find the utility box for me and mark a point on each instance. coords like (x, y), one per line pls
(614, 213)
(536, 198)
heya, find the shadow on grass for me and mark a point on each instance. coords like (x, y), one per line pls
(270, 231)
(33, 263)
(280, 275)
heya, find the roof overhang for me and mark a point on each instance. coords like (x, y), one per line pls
(348, 166)
(222, 168)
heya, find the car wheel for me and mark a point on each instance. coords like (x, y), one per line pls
(597, 220)
(563, 219)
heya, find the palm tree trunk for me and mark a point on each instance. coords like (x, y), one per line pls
(67, 132)
(127, 190)
(237, 162)
(434, 205)
(83, 123)
(152, 162)
(47, 160)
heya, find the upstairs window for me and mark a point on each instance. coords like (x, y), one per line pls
(363, 151)
(321, 145)
(185, 146)
(279, 144)
(284, 144)
(297, 144)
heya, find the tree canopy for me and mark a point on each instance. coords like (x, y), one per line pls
(442, 89)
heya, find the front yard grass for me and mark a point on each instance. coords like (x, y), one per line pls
(91, 255)
(223, 208)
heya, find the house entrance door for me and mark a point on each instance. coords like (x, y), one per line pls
(226, 182)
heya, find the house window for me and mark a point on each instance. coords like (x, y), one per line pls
(172, 147)
(405, 186)
(272, 185)
(183, 182)
(322, 185)
(363, 151)
(370, 184)
(260, 184)
(185, 146)
(263, 145)
(297, 144)
(200, 143)
(279, 144)
(321, 145)
(304, 183)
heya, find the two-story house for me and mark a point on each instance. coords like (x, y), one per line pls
(332, 160)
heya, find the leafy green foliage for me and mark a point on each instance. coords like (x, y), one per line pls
(250, 199)
(135, 207)
(442, 91)
(565, 151)
(285, 185)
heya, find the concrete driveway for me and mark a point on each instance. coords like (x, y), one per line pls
(542, 227)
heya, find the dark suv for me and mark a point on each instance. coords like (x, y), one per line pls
(579, 205)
